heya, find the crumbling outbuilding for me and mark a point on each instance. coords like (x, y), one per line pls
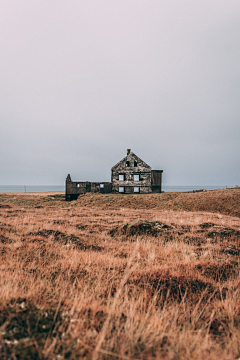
(131, 175)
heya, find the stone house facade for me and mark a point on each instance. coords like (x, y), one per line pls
(131, 175)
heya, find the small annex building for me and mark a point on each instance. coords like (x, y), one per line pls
(131, 175)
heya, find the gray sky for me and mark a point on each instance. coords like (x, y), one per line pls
(83, 80)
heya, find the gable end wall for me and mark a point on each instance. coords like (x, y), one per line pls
(142, 169)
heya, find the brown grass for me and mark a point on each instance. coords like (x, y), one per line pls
(128, 277)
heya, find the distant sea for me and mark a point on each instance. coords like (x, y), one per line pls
(46, 188)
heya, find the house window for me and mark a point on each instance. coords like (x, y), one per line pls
(101, 186)
(135, 177)
(121, 177)
(78, 185)
(136, 189)
(121, 189)
(127, 163)
(135, 163)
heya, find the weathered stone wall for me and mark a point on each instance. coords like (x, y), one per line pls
(76, 188)
(131, 165)
(96, 187)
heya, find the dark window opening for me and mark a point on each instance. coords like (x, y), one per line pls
(127, 163)
(135, 163)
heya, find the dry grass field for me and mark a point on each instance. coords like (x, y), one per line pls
(120, 277)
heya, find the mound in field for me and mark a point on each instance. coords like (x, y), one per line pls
(139, 227)
(65, 239)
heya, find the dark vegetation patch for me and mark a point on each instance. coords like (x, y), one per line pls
(25, 329)
(174, 288)
(5, 206)
(81, 227)
(44, 232)
(208, 225)
(219, 327)
(233, 250)
(140, 227)
(97, 319)
(5, 240)
(6, 227)
(59, 222)
(4, 250)
(223, 233)
(185, 228)
(194, 240)
(77, 274)
(121, 255)
(66, 240)
(218, 272)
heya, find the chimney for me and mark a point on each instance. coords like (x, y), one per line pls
(128, 151)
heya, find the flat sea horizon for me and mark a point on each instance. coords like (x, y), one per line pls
(60, 188)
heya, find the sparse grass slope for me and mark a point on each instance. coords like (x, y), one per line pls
(226, 201)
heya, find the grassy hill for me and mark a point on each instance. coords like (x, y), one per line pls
(129, 277)
(226, 201)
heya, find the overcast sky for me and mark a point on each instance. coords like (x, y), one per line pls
(83, 80)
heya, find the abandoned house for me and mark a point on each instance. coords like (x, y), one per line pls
(131, 175)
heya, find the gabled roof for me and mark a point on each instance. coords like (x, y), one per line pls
(126, 158)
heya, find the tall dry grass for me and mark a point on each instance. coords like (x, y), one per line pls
(94, 283)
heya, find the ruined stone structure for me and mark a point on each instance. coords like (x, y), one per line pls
(76, 188)
(131, 175)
